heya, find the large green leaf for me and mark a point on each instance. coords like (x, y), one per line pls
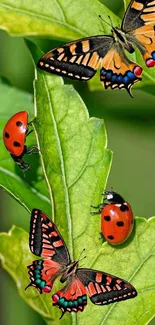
(75, 159)
(74, 156)
(30, 190)
(54, 18)
(133, 261)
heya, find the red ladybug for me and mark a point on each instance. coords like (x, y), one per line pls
(116, 218)
(14, 136)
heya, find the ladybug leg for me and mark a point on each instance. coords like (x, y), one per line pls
(31, 150)
(101, 235)
(94, 213)
(99, 207)
(28, 132)
(32, 121)
(95, 207)
(29, 124)
(24, 166)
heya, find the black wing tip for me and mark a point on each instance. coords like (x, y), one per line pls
(35, 211)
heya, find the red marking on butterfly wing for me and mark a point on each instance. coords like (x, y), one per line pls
(72, 297)
(45, 239)
(104, 288)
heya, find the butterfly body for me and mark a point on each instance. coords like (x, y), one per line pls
(102, 288)
(70, 270)
(80, 59)
(120, 37)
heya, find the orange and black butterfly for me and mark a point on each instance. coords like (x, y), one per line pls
(81, 59)
(102, 288)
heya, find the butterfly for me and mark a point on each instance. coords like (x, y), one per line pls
(102, 288)
(80, 59)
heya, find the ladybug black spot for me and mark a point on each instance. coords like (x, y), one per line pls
(120, 223)
(7, 135)
(18, 123)
(124, 207)
(16, 144)
(110, 237)
(107, 218)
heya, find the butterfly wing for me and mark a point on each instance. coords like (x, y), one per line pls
(144, 39)
(72, 297)
(46, 241)
(139, 23)
(77, 60)
(42, 275)
(118, 71)
(139, 13)
(104, 288)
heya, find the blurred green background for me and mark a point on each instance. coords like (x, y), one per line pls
(131, 135)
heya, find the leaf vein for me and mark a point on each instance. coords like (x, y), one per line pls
(68, 212)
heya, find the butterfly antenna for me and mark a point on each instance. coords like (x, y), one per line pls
(80, 259)
(110, 21)
(105, 20)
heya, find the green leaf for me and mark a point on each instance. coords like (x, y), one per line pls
(75, 159)
(134, 261)
(53, 18)
(126, 3)
(29, 191)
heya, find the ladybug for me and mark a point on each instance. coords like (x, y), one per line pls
(14, 136)
(116, 218)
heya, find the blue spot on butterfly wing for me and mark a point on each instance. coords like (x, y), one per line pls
(153, 55)
(109, 75)
(130, 75)
(114, 78)
(126, 80)
(103, 72)
(120, 79)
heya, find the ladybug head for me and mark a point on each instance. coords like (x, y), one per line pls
(113, 197)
